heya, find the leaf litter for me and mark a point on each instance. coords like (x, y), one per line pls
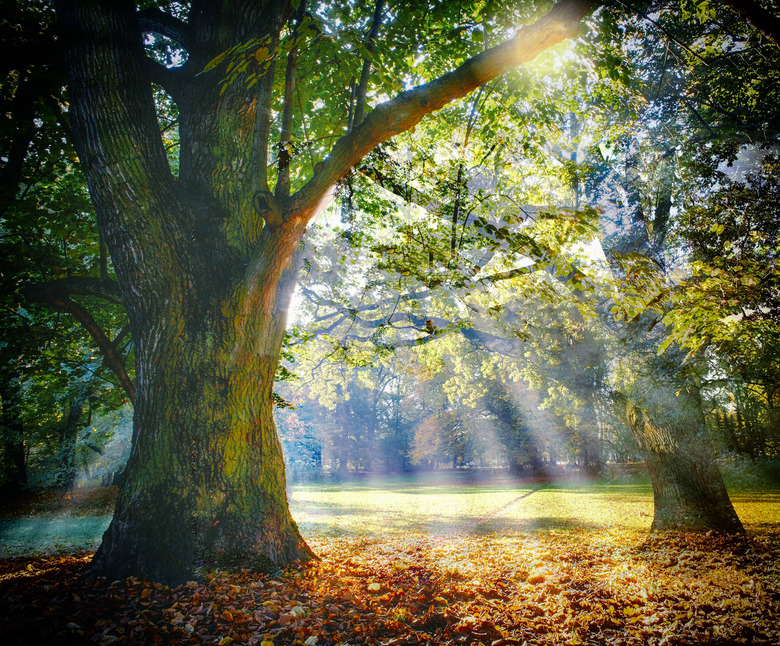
(558, 588)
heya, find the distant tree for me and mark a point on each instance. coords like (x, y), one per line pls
(729, 307)
(696, 110)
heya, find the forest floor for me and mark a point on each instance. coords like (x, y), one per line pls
(423, 560)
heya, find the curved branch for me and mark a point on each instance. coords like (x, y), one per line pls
(169, 78)
(56, 296)
(157, 21)
(76, 285)
(407, 109)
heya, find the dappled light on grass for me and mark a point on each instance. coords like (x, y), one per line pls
(395, 507)
(758, 510)
(398, 506)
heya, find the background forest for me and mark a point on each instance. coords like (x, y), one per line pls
(483, 291)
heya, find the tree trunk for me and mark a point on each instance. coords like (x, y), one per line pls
(207, 300)
(689, 494)
(14, 465)
(205, 482)
(68, 437)
(13, 459)
(688, 491)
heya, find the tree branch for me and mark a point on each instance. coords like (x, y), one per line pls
(169, 79)
(362, 88)
(661, 29)
(75, 285)
(57, 296)
(408, 108)
(767, 22)
(491, 342)
(285, 143)
(157, 21)
(263, 124)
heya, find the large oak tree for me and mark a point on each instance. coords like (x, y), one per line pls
(206, 259)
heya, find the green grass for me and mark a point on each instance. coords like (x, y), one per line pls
(445, 504)
(403, 504)
(435, 504)
(46, 534)
(401, 507)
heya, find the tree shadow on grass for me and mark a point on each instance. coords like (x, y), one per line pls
(509, 526)
(51, 534)
(329, 521)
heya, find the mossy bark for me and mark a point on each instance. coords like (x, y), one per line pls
(206, 287)
(205, 481)
(688, 490)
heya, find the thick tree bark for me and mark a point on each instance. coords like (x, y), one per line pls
(205, 480)
(206, 264)
(688, 490)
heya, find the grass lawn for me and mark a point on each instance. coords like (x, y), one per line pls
(386, 507)
(454, 504)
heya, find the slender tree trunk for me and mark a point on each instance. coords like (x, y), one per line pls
(14, 463)
(13, 457)
(68, 436)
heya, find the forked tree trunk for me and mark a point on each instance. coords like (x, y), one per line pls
(207, 303)
(688, 489)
